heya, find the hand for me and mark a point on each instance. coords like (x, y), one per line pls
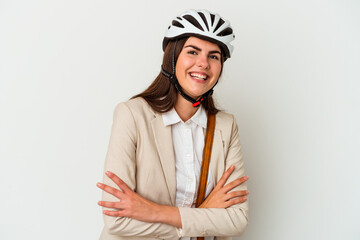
(220, 197)
(130, 204)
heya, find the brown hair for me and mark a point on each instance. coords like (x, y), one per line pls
(161, 95)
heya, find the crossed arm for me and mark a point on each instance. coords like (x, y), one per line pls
(134, 206)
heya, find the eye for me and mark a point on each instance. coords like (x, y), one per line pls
(192, 52)
(214, 57)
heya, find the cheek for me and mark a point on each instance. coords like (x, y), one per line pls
(217, 70)
(181, 66)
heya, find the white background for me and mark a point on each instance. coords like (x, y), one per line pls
(293, 85)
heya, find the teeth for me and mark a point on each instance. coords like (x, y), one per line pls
(197, 75)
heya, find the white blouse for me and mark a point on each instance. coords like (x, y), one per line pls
(188, 140)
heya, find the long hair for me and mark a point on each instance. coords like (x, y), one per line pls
(161, 95)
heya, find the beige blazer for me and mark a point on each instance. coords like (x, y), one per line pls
(141, 153)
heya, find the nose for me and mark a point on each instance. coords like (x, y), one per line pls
(202, 61)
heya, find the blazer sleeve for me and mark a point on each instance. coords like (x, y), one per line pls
(120, 159)
(219, 222)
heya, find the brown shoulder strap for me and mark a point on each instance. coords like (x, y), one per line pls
(210, 128)
(206, 158)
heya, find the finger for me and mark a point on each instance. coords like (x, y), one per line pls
(110, 204)
(113, 191)
(236, 194)
(225, 176)
(235, 183)
(121, 184)
(235, 201)
(113, 213)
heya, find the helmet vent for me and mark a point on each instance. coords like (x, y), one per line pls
(221, 22)
(193, 21)
(179, 18)
(212, 19)
(225, 32)
(204, 19)
(177, 24)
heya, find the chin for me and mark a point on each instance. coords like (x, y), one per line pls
(195, 91)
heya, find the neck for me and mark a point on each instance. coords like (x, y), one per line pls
(184, 108)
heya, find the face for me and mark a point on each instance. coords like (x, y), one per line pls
(198, 66)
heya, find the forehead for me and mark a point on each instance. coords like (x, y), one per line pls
(202, 44)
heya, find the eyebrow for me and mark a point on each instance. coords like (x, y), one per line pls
(199, 49)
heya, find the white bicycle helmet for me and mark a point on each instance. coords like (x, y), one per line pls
(203, 24)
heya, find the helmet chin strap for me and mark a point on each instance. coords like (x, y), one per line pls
(173, 80)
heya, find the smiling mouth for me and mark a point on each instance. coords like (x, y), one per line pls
(199, 76)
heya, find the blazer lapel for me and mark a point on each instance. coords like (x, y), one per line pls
(164, 144)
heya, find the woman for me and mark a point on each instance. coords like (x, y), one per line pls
(157, 139)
